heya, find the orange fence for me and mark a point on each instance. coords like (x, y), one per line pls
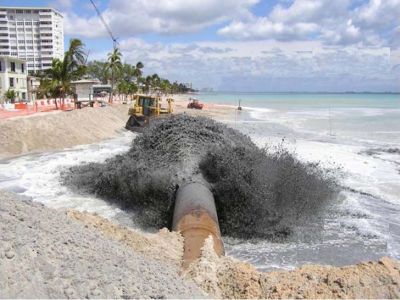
(46, 105)
(24, 109)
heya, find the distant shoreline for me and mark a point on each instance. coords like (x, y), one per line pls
(294, 92)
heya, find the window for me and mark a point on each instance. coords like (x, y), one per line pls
(22, 68)
(12, 66)
(11, 82)
(0, 67)
(20, 23)
(23, 96)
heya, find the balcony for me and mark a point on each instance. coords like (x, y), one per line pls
(46, 42)
(46, 30)
(45, 12)
(45, 17)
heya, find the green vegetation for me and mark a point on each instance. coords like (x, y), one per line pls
(128, 79)
(114, 65)
(10, 95)
(56, 81)
(125, 79)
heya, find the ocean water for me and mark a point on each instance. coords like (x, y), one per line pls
(358, 132)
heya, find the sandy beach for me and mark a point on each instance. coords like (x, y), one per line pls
(48, 253)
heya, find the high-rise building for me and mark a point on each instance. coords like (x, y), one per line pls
(34, 34)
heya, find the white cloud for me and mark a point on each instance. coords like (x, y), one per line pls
(378, 14)
(130, 17)
(372, 23)
(272, 66)
(263, 28)
(309, 11)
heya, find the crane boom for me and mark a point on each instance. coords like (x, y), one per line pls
(114, 39)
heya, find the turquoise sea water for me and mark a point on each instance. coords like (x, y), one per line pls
(303, 100)
(374, 117)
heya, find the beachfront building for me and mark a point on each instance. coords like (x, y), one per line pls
(33, 34)
(13, 76)
(89, 89)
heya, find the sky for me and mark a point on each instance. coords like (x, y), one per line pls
(247, 45)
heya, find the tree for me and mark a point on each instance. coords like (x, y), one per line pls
(115, 65)
(138, 71)
(99, 70)
(165, 86)
(10, 95)
(57, 80)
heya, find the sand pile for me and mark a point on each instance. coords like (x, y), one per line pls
(49, 131)
(224, 277)
(45, 254)
(165, 246)
(258, 193)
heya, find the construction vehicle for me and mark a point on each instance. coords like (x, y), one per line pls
(144, 108)
(195, 104)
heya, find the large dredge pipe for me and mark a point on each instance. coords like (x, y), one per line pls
(195, 216)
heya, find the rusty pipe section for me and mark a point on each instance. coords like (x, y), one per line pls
(195, 216)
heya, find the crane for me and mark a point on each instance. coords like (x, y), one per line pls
(115, 43)
(114, 39)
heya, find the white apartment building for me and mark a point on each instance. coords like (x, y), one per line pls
(13, 75)
(34, 34)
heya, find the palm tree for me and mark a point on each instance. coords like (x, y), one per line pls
(114, 64)
(138, 71)
(57, 80)
(165, 86)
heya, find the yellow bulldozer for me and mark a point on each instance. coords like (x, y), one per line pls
(144, 108)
